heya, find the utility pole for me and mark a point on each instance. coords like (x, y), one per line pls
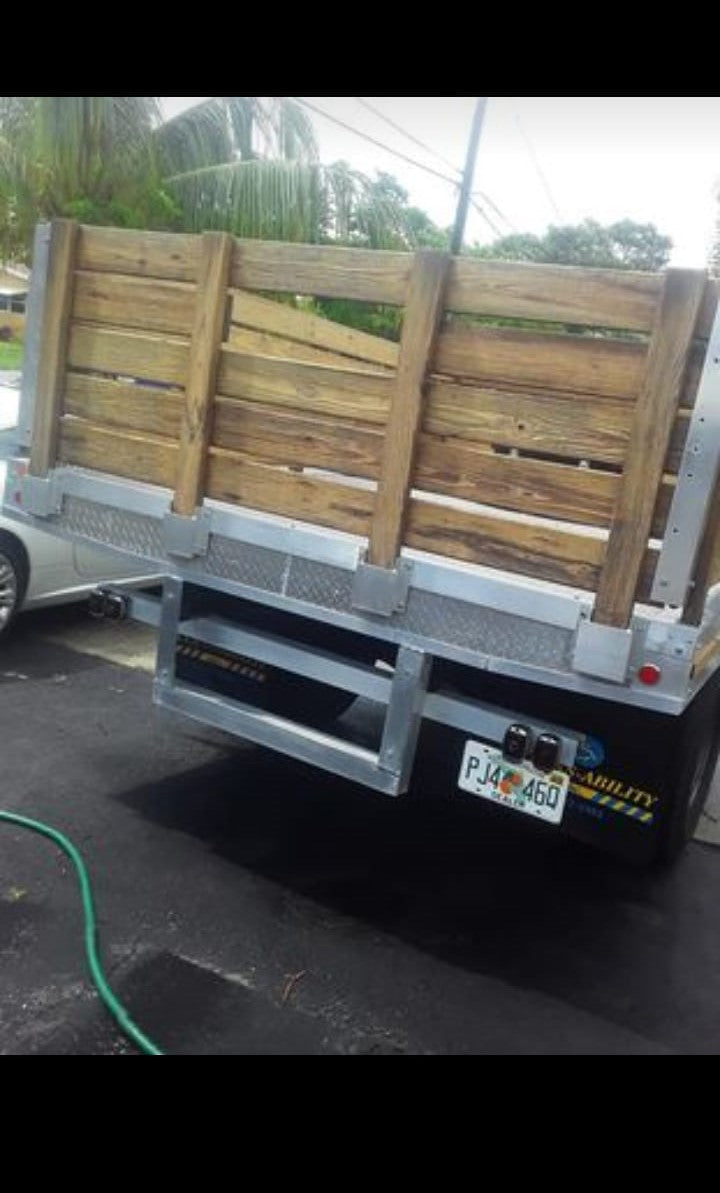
(466, 190)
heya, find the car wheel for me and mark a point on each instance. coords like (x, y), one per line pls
(14, 577)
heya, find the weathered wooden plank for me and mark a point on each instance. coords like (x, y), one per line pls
(650, 440)
(555, 294)
(124, 406)
(118, 453)
(539, 488)
(358, 274)
(211, 315)
(54, 346)
(306, 389)
(422, 322)
(141, 254)
(280, 438)
(125, 354)
(511, 359)
(258, 343)
(260, 314)
(129, 302)
(321, 502)
(545, 553)
(579, 428)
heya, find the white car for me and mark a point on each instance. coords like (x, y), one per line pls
(37, 570)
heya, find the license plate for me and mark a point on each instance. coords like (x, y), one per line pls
(487, 775)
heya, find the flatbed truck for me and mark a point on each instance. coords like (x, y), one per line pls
(507, 523)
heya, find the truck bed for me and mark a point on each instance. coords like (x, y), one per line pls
(507, 484)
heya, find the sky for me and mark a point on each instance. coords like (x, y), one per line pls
(546, 159)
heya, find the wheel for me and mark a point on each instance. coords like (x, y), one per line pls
(702, 752)
(14, 577)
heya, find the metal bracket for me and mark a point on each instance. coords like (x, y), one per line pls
(188, 538)
(695, 488)
(380, 591)
(603, 652)
(42, 496)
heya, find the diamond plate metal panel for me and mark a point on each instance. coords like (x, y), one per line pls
(497, 635)
(317, 584)
(134, 533)
(255, 567)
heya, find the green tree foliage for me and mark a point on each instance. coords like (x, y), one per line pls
(625, 245)
(245, 164)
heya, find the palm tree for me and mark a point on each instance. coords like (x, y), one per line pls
(246, 164)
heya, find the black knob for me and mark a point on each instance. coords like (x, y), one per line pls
(547, 753)
(516, 746)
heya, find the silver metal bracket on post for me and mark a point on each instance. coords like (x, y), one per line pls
(381, 591)
(42, 496)
(696, 485)
(188, 538)
(405, 715)
(603, 652)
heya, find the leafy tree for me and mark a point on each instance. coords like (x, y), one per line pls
(247, 164)
(624, 245)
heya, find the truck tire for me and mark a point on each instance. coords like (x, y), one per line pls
(697, 773)
(14, 579)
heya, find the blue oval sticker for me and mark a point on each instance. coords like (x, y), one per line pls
(592, 754)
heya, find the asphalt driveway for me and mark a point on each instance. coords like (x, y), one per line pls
(250, 905)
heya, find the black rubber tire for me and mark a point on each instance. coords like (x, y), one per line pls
(697, 773)
(12, 549)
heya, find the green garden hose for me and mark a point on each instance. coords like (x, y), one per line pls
(113, 1005)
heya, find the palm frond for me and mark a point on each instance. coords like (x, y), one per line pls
(293, 201)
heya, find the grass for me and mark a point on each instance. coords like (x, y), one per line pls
(11, 356)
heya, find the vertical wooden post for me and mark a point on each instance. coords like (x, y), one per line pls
(52, 367)
(655, 417)
(428, 287)
(208, 333)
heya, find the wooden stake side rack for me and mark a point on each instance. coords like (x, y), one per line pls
(537, 421)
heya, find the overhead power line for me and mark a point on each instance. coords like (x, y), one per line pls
(408, 136)
(356, 132)
(537, 163)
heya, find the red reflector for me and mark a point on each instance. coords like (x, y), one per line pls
(650, 675)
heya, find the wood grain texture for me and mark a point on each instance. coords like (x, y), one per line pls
(136, 303)
(141, 254)
(422, 323)
(511, 359)
(538, 488)
(282, 439)
(259, 343)
(211, 317)
(556, 294)
(125, 354)
(54, 346)
(118, 453)
(579, 428)
(315, 500)
(279, 319)
(655, 416)
(125, 407)
(305, 388)
(358, 274)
